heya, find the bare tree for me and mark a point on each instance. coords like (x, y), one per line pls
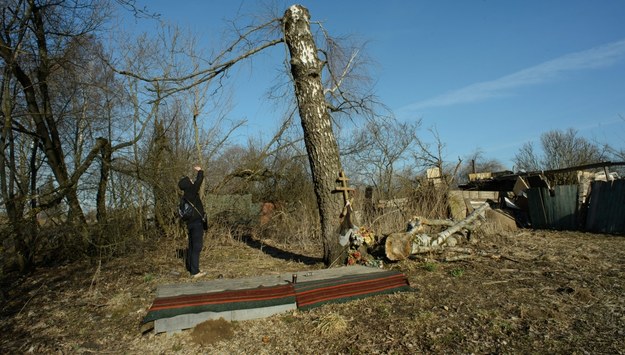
(432, 155)
(477, 163)
(559, 149)
(527, 159)
(38, 41)
(379, 150)
(60, 97)
(565, 148)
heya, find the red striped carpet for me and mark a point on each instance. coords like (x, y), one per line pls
(306, 294)
(166, 307)
(342, 289)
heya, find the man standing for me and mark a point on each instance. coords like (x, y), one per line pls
(194, 223)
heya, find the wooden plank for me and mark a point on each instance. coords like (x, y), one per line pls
(479, 195)
(457, 205)
(433, 173)
(520, 186)
(503, 220)
(394, 203)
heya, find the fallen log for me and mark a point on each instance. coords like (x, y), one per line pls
(440, 238)
(399, 246)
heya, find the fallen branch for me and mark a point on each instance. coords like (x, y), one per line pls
(504, 281)
(458, 258)
(31, 297)
(460, 250)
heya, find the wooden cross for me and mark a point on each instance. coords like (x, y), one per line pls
(344, 189)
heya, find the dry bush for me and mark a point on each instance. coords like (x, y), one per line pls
(51, 245)
(123, 232)
(296, 224)
(226, 234)
(427, 200)
(431, 201)
(59, 243)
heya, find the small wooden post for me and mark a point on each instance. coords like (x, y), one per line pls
(344, 189)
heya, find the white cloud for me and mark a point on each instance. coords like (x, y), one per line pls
(597, 57)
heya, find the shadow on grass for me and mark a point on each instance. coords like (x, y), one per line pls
(279, 253)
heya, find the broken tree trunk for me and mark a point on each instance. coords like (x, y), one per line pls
(399, 246)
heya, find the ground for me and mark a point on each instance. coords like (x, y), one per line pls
(530, 292)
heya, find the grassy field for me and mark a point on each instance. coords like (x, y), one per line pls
(531, 292)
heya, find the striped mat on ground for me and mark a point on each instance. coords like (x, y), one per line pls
(306, 295)
(166, 307)
(345, 288)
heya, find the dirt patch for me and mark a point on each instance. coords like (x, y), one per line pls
(533, 291)
(211, 331)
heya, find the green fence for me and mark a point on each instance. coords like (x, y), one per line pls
(606, 207)
(554, 209)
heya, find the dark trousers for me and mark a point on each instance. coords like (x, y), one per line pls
(196, 241)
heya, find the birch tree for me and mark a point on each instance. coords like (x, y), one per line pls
(323, 153)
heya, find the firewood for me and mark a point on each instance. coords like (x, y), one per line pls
(400, 246)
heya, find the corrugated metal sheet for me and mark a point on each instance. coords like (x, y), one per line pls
(606, 207)
(554, 209)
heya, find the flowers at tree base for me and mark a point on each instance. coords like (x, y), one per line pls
(362, 235)
(356, 257)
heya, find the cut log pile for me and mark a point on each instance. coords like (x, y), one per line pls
(414, 241)
(365, 248)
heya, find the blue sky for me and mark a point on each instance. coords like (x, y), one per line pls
(488, 75)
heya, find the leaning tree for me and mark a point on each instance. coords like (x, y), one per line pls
(316, 99)
(321, 146)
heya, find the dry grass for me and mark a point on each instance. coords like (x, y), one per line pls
(330, 324)
(532, 291)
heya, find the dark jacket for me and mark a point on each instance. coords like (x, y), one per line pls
(191, 194)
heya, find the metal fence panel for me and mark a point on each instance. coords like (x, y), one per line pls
(606, 207)
(554, 209)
